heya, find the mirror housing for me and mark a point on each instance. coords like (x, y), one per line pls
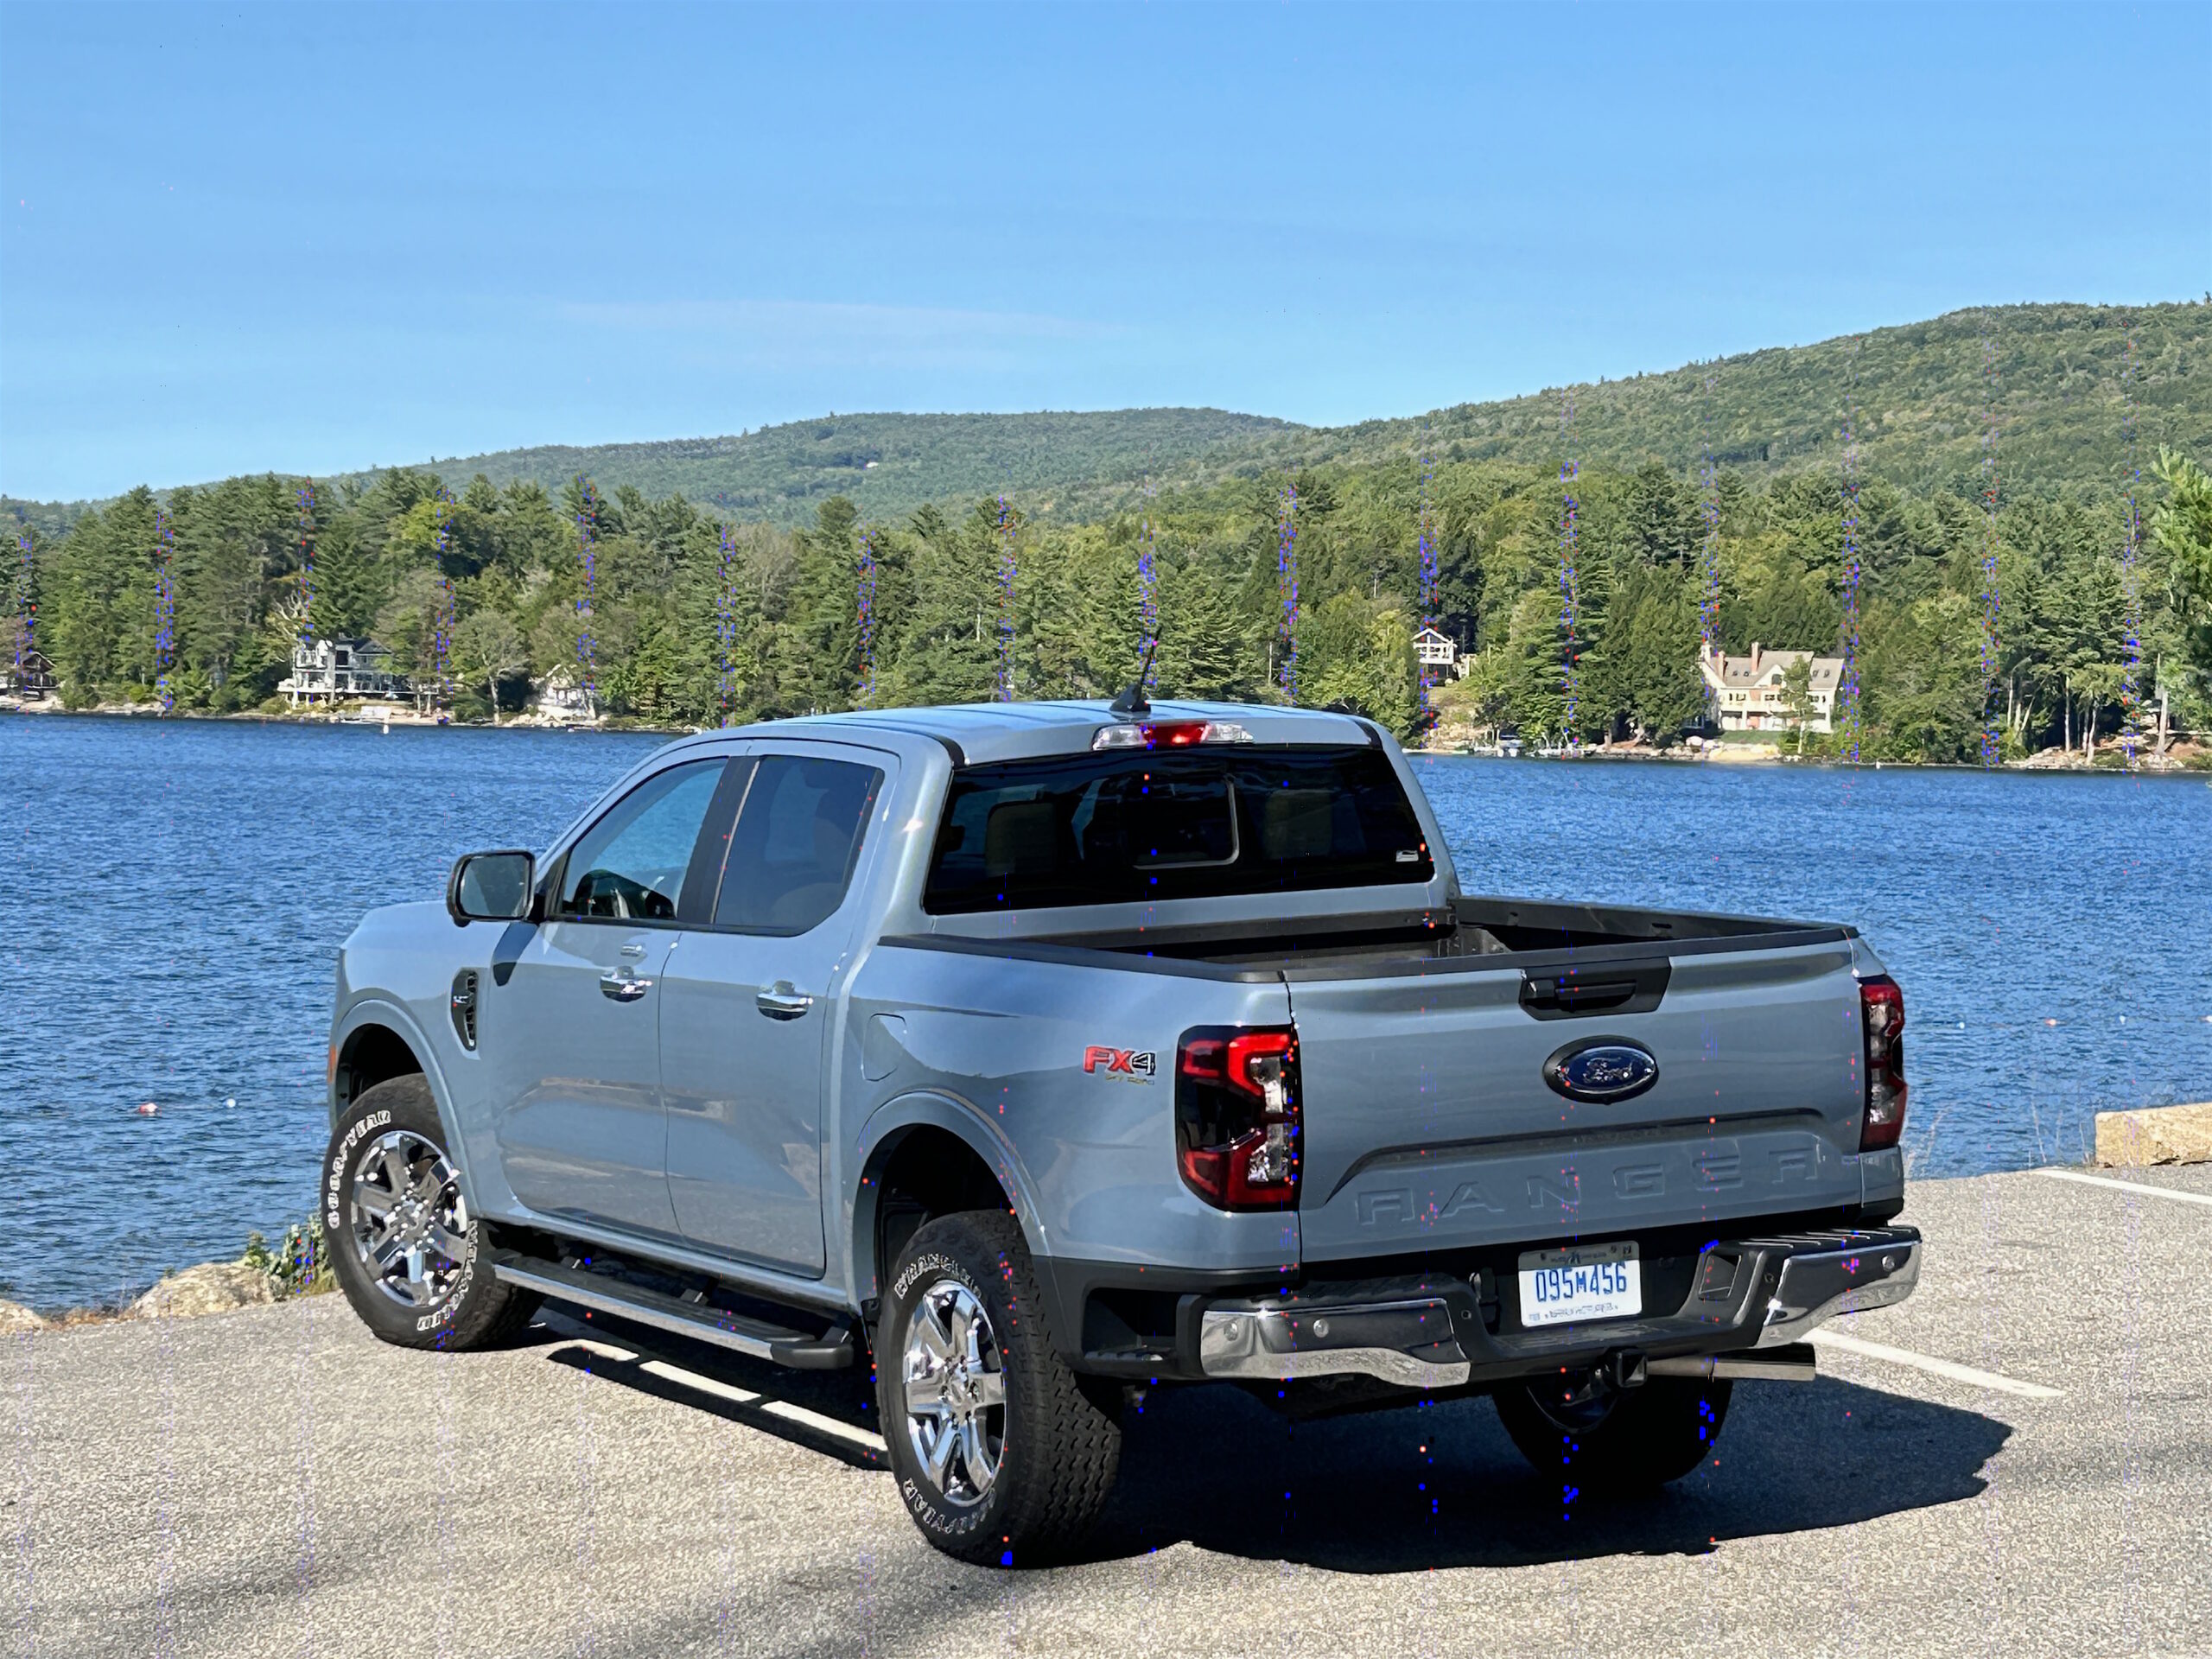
(498, 887)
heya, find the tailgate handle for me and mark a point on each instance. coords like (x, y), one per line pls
(1570, 994)
(1562, 996)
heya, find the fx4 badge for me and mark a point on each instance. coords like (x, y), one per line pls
(1129, 1064)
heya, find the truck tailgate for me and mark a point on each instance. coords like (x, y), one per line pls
(1428, 1124)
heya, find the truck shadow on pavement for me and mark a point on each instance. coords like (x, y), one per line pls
(1441, 1485)
(1388, 1491)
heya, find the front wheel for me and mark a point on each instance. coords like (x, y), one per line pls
(403, 1245)
(1626, 1440)
(1001, 1455)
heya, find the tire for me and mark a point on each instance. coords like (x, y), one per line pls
(1633, 1440)
(441, 1294)
(1056, 1448)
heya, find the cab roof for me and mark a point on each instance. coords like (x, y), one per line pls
(978, 733)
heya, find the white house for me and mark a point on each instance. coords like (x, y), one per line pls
(1436, 650)
(340, 670)
(1747, 691)
(562, 698)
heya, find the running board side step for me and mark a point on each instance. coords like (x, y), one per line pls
(832, 1350)
(1793, 1363)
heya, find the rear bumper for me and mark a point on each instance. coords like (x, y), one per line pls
(1433, 1331)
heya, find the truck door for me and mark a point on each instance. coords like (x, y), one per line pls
(748, 1004)
(573, 1036)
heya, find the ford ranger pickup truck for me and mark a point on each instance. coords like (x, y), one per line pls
(1046, 1053)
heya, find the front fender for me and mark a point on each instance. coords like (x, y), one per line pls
(374, 1008)
(936, 1109)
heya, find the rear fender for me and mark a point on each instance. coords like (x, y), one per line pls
(881, 1135)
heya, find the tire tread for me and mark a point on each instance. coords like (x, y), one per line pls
(1073, 1443)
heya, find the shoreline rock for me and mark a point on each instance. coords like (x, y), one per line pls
(15, 1317)
(2155, 1134)
(211, 1287)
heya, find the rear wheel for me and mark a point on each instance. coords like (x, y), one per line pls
(1601, 1440)
(1002, 1454)
(403, 1245)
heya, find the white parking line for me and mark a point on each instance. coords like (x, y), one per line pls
(1933, 1366)
(815, 1421)
(704, 1384)
(604, 1349)
(2125, 1186)
(761, 1402)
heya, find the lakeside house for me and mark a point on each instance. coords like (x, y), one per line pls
(1747, 692)
(30, 680)
(340, 670)
(1436, 650)
(561, 698)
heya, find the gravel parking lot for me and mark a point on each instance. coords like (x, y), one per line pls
(274, 1481)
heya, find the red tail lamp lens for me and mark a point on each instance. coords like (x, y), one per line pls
(1237, 1117)
(1176, 734)
(1881, 1008)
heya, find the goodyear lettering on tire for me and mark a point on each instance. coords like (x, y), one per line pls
(334, 1187)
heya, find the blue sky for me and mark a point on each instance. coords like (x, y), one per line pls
(316, 238)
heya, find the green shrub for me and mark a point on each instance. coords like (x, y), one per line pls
(300, 1264)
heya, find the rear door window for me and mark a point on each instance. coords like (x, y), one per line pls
(1114, 828)
(798, 838)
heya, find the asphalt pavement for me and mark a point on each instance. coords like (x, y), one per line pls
(275, 1481)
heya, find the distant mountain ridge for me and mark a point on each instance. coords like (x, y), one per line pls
(1920, 393)
(889, 463)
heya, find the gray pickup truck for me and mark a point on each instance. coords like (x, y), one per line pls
(1053, 1052)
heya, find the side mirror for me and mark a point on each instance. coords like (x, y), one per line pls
(491, 887)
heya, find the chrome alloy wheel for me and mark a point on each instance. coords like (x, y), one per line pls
(410, 1222)
(955, 1392)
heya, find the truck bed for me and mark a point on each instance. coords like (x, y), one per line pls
(1482, 926)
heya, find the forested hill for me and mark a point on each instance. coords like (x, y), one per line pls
(1920, 391)
(887, 464)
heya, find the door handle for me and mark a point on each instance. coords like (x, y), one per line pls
(782, 1001)
(623, 986)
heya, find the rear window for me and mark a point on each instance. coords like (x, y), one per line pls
(1111, 829)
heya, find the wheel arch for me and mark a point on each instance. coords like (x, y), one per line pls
(377, 1040)
(374, 1049)
(934, 1152)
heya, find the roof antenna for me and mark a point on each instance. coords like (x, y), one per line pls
(1132, 700)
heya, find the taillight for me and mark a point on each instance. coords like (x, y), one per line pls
(1881, 1009)
(1237, 1115)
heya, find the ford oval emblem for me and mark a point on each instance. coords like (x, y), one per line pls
(1612, 1068)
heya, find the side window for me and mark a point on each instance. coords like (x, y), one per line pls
(630, 865)
(798, 835)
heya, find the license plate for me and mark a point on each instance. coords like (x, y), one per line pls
(1593, 1281)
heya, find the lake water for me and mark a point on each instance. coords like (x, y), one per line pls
(177, 892)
